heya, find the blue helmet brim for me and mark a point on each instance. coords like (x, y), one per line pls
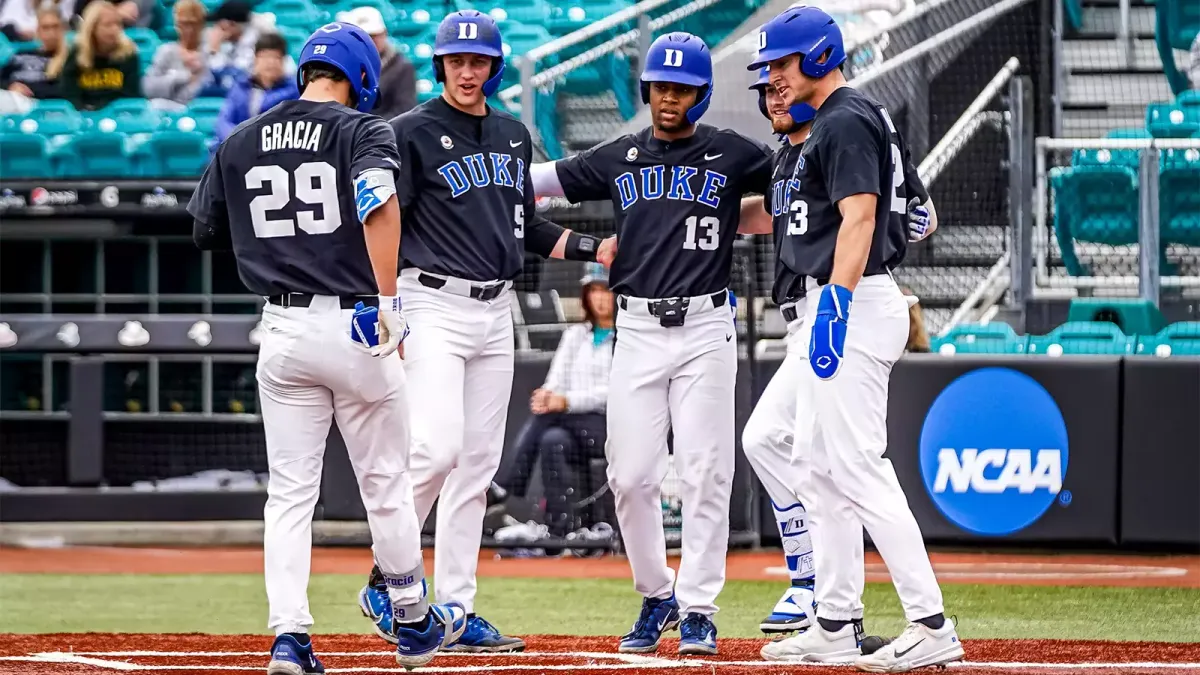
(675, 76)
(472, 47)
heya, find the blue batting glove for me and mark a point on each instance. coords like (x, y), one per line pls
(828, 343)
(918, 221)
(364, 325)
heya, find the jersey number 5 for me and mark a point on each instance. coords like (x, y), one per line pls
(519, 220)
(316, 185)
(712, 234)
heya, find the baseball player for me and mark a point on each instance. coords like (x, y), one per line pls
(676, 189)
(468, 208)
(767, 437)
(305, 196)
(849, 229)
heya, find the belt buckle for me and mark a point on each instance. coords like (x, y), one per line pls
(489, 293)
(670, 311)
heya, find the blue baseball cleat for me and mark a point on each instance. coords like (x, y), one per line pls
(292, 654)
(698, 636)
(657, 617)
(793, 612)
(482, 636)
(417, 644)
(375, 604)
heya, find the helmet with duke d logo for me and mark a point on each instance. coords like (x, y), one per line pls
(348, 49)
(800, 112)
(806, 31)
(681, 58)
(470, 32)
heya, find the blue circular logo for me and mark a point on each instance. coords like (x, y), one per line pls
(994, 451)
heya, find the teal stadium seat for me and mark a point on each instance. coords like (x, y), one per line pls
(1094, 203)
(1177, 339)
(25, 156)
(1082, 337)
(519, 39)
(989, 338)
(1189, 99)
(174, 154)
(1169, 120)
(6, 50)
(99, 154)
(1135, 133)
(147, 42)
(201, 115)
(295, 38)
(127, 115)
(414, 23)
(301, 14)
(1073, 14)
(1179, 196)
(51, 117)
(535, 12)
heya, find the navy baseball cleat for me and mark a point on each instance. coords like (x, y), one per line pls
(698, 636)
(292, 654)
(657, 617)
(793, 611)
(375, 604)
(482, 636)
(417, 643)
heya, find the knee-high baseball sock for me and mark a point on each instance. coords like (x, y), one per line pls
(797, 543)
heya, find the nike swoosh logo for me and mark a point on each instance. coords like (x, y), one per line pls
(708, 158)
(728, 338)
(902, 653)
(515, 144)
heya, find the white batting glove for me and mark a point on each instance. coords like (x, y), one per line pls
(919, 224)
(392, 326)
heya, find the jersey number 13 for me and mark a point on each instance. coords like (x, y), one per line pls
(316, 185)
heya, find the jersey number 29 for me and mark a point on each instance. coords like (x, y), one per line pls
(316, 184)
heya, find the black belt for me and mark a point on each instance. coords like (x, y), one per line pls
(481, 292)
(718, 300)
(305, 299)
(790, 314)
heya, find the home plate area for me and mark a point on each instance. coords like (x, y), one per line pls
(94, 654)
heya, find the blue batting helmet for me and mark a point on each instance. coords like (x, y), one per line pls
(807, 31)
(800, 112)
(350, 50)
(681, 58)
(470, 32)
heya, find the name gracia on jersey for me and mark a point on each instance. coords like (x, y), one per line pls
(969, 472)
(478, 171)
(294, 135)
(682, 186)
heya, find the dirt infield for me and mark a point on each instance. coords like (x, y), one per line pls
(95, 654)
(987, 568)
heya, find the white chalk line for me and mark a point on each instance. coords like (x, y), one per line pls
(1029, 571)
(617, 662)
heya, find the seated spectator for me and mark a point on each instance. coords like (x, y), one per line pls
(918, 337)
(133, 13)
(568, 428)
(230, 45)
(266, 86)
(180, 69)
(27, 73)
(398, 77)
(18, 19)
(102, 66)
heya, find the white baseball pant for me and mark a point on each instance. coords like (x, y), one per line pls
(679, 378)
(459, 359)
(840, 438)
(309, 373)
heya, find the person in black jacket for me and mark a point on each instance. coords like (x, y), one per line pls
(27, 72)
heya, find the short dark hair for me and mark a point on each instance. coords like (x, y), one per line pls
(271, 41)
(311, 72)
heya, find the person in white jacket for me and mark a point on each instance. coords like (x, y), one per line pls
(568, 425)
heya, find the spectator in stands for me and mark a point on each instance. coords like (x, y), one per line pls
(19, 18)
(567, 428)
(180, 69)
(27, 72)
(266, 86)
(1194, 63)
(398, 78)
(102, 65)
(140, 13)
(918, 337)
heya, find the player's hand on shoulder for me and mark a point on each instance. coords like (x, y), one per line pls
(920, 225)
(607, 252)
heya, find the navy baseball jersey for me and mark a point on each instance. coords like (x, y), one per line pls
(778, 203)
(677, 205)
(282, 185)
(465, 193)
(853, 148)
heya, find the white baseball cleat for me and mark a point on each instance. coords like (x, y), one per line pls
(917, 647)
(792, 613)
(816, 645)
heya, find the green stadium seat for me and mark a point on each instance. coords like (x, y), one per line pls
(1179, 196)
(1178, 339)
(1096, 203)
(25, 156)
(1168, 120)
(174, 154)
(1133, 316)
(99, 154)
(1082, 337)
(989, 338)
(1105, 157)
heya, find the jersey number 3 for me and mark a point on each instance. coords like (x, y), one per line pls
(316, 185)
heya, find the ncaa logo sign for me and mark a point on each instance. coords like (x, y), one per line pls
(993, 451)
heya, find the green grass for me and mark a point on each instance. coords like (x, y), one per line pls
(236, 603)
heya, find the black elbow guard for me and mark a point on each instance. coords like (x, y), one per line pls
(581, 247)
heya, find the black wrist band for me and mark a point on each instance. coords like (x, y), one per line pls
(581, 247)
